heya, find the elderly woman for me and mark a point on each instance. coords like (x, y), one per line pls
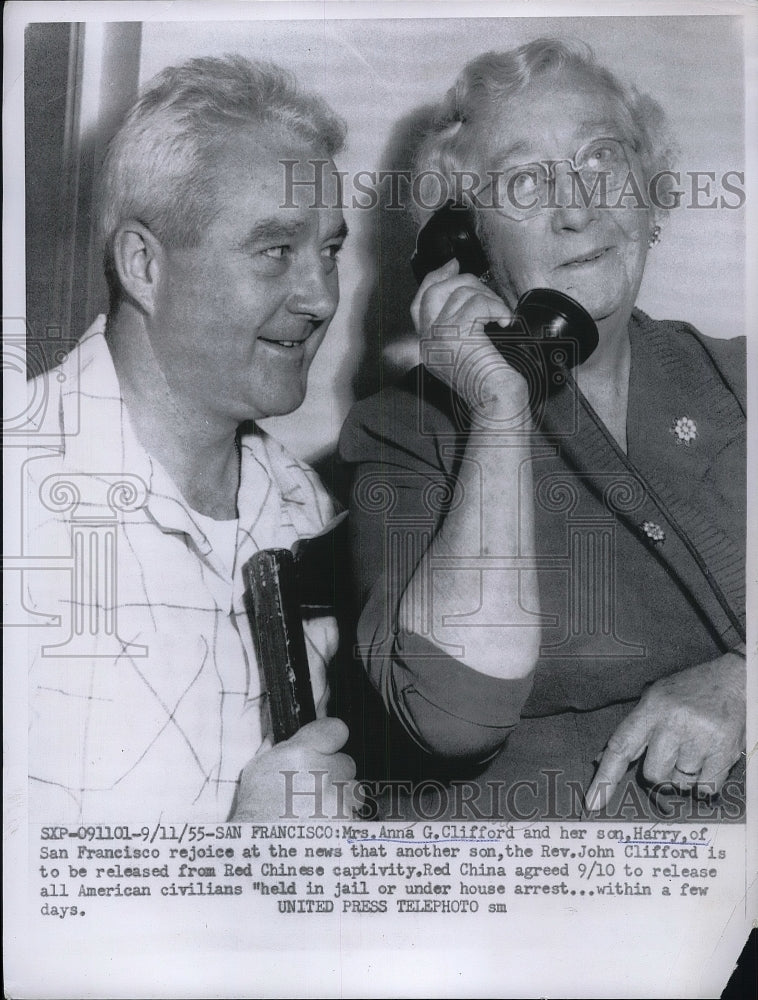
(552, 591)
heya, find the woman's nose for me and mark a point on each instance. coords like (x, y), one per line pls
(575, 205)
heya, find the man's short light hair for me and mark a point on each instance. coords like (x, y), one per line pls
(495, 79)
(159, 167)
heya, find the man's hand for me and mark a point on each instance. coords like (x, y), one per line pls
(264, 792)
(693, 726)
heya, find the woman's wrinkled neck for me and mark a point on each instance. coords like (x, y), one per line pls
(604, 379)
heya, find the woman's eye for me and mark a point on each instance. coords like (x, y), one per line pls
(525, 182)
(601, 156)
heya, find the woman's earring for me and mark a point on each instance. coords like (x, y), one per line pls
(655, 237)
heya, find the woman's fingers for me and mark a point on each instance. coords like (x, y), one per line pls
(452, 310)
(467, 312)
(442, 274)
(714, 772)
(461, 305)
(625, 745)
(446, 298)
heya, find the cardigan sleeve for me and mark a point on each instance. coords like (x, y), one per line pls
(400, 483)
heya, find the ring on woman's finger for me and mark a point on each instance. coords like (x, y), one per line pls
(691, 776)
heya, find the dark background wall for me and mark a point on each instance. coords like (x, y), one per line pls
(76, 89)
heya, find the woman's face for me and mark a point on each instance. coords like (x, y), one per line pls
(594, 254)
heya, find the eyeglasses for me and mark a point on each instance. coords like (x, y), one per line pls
(598, 168)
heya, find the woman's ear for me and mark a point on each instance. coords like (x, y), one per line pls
(655, 227)
(137, 260)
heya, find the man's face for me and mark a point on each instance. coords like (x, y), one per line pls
(239, 318)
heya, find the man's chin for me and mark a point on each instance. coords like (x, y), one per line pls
(280, 408)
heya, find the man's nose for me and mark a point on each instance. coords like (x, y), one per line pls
(573, 206)
(316, 291)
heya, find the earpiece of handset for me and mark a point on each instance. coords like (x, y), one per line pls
(451, 232)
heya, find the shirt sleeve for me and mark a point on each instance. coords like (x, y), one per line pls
(400, 489)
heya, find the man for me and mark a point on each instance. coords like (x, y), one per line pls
(222, 285)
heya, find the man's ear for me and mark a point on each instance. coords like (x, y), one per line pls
(137, 260)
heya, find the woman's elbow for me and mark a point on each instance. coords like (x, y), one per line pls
(451, 739)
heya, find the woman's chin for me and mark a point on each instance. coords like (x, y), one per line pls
(598, 303)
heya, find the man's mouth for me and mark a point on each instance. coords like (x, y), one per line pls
(281, 342)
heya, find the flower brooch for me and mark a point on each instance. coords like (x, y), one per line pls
(654, 532)
(685, 430)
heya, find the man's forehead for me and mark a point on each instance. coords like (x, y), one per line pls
(288, 225)
(262, 151)
(276, 169)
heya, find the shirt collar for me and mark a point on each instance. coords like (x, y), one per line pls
(98, 435)
(91, 398)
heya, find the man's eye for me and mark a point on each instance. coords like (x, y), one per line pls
(276, 253)
(332, 251)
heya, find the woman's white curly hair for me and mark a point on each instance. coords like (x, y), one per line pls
(450, 148)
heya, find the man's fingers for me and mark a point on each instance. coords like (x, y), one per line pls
(325, 736)
(341, 767)
(624, 746)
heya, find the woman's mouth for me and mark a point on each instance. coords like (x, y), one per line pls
(588, 258)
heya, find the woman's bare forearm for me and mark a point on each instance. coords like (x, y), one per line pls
(474, 592)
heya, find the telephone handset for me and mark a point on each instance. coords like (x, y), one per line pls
(550, 331)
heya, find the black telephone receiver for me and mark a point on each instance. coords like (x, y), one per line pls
(550, 331)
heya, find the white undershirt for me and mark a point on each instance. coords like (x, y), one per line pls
(222, 535)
